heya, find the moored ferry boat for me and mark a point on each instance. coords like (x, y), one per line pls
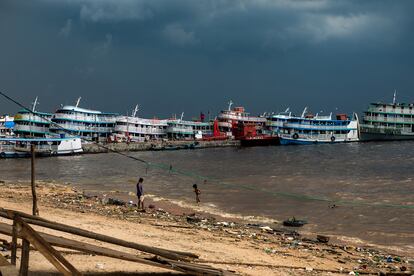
(135, 129)
(181, 129)
(311, 129)
(248, 136)
(6, 126)
(392, 121)
(228, 120)
(32, 123)
(88, 124)
(21, 147)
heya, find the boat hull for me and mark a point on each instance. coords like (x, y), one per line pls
(13, 154)
(44, 147)
(291, 141)
(284, 141)
(259, 141)
(366, 136)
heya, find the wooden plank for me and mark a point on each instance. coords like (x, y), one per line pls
(4, 261)
(169, 254)
(81, 246)
(24, 262)
(194, 269)
(53, 256)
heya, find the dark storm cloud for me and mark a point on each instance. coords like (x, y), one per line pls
(173, 56)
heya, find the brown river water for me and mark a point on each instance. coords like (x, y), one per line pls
(371, 184)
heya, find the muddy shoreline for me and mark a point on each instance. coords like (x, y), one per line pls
(274, 241)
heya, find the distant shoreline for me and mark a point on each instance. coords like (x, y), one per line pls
(146, 146)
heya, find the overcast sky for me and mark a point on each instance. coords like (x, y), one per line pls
(171, 56)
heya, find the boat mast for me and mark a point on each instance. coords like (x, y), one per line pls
(135, 110)
(34, 105)
(230, 104)
(395, 95)
(182, 115)
(78, 101)
(304, 112)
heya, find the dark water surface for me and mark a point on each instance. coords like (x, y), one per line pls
(371, 183)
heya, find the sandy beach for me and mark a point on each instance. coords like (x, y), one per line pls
(236, 246)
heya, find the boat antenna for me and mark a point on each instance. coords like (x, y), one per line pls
(78, 101)
(34, 104)
(395, 95)
(230, 104)
(136, 109)
(182, 115)
(304, 111)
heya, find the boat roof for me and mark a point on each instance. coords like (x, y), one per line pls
(37, 139)
(396, 104)
(315, 118)
(24, 111)
(85, 110)
(183, 122)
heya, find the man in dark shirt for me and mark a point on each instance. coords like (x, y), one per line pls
(140, 193)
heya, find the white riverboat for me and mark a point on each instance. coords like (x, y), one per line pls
(135, 129)
(178, 129)
(21, 147)
(32, 123)
(6, 126)
(88, 124)
(392, 121)
(311, 129)
(229, 120)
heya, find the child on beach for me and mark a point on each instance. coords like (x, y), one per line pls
(197, 193)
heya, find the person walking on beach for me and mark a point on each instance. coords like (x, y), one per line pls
(140, 193)
(197, 193)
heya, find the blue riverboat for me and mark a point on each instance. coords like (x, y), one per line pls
(310, 129)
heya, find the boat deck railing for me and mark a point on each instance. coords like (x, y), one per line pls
(318, 127)
(82, 117)
(386, 130)
(81, 128)
(142, 130)
(388, 119)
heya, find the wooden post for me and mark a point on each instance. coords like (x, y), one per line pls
(24, 262)
(14, 243)
(35, 210)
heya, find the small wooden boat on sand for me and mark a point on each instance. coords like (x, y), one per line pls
(292, 222)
